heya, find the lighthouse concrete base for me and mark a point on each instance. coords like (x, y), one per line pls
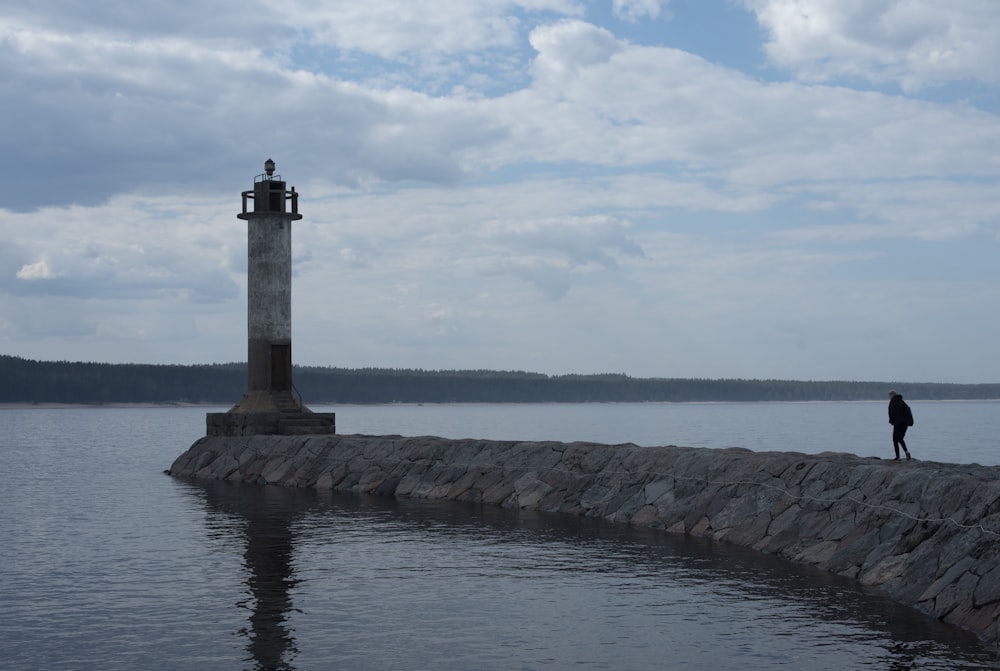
(269, 413)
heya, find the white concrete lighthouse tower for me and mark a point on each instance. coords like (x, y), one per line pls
(270, 404)
(269, 293)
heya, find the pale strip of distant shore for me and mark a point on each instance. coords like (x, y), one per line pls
(49, 406)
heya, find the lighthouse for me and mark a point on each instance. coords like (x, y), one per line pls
(271, 404)
(269, 293)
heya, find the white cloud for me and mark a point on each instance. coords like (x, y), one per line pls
(108, 254)
(633, 10)
(568, 46)
(915, 43)
(100, 117)
(389, 29)
(39, 270)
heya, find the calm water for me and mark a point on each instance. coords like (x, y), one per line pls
(109, 564)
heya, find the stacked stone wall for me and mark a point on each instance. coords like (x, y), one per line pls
(928, 534)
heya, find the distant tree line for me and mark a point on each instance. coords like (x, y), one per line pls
(28, 381)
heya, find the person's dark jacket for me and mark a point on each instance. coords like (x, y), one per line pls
(899, 412)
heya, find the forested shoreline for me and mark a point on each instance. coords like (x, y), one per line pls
(30, 381)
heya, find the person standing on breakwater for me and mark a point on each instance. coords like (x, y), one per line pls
(901, 418)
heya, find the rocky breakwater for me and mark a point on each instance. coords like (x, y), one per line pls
(928, 534)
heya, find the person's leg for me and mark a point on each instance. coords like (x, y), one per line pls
(902, 443)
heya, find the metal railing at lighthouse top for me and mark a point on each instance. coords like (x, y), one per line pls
(274, 199)
(269, 195)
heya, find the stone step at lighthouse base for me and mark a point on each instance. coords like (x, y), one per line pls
(306, 424)
(270, 423)
(269, 413)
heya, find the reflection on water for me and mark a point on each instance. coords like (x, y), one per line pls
(268, 513)
(268, 557)
(343, 581)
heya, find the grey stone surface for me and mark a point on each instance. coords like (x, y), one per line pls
(927, 534)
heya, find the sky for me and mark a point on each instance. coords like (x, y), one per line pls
(793, 189)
